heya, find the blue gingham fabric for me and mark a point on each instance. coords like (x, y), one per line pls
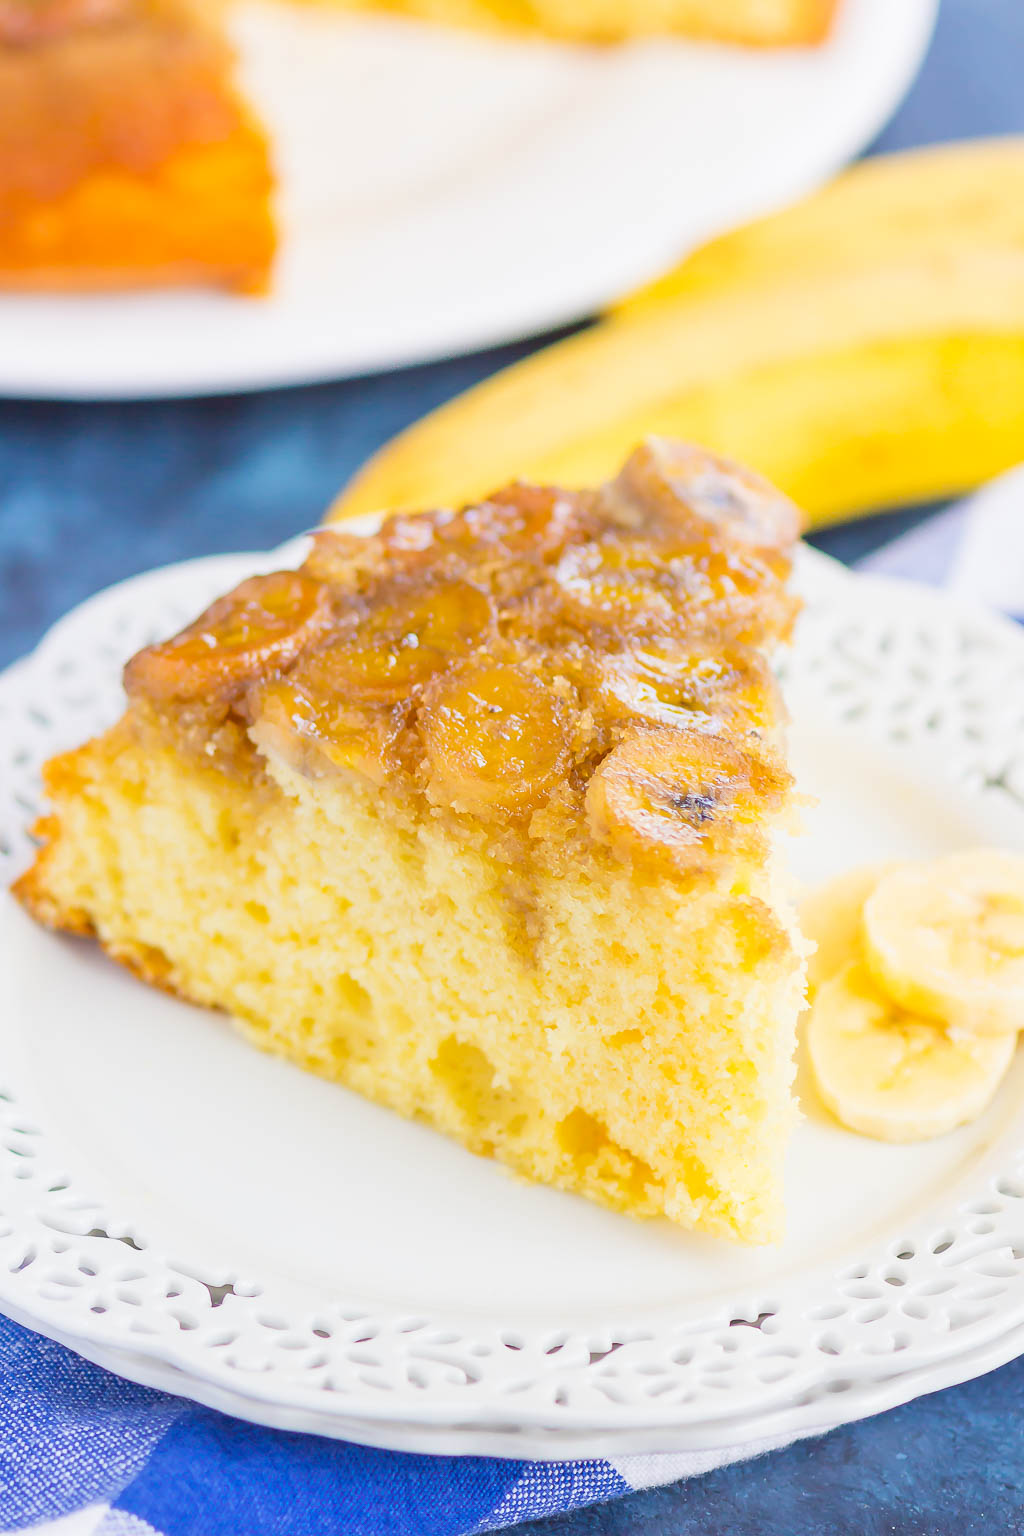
(83, 1453)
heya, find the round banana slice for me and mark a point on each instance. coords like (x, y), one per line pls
(495, 739)
(891, 1074)
(676, 794)
(407, 637)
(263, 625)
(946, 939)
(679, 481)
(690, 683)
(830, 917)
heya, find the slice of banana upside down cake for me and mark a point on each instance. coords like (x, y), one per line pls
(475, 816)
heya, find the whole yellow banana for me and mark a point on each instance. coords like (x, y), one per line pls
(862, 349)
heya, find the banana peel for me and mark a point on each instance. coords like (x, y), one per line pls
(866, 353)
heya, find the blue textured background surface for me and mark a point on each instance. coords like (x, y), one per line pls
(90, 494)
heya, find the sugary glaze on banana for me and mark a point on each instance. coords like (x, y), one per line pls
(549, 668)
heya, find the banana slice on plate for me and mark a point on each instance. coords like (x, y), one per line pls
(830, 917)
(946, 939)
(894, 1075)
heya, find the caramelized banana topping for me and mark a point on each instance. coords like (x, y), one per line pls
(679, 795)
(696, 684)
(495, 739)
(406, 636)
(686, 487)
(260, 627)
(591, 655)
(318, 732)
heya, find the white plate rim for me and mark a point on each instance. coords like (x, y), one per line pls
(784, 1423)
(536, 1419)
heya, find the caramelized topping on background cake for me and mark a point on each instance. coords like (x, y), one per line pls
(89, 85)
(262, 626)
(23, 22)
(557, 664)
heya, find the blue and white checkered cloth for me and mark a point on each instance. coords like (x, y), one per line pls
(83, 1453)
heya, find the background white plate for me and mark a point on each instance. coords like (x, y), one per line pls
(303, 1258)
(446, 190)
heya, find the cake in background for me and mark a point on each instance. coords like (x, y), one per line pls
(127, 156)
(475, 816)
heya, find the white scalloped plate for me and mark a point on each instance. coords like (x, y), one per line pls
(443, 190)
(302, 1258)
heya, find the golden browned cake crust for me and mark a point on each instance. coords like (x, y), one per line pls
(126, 154)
